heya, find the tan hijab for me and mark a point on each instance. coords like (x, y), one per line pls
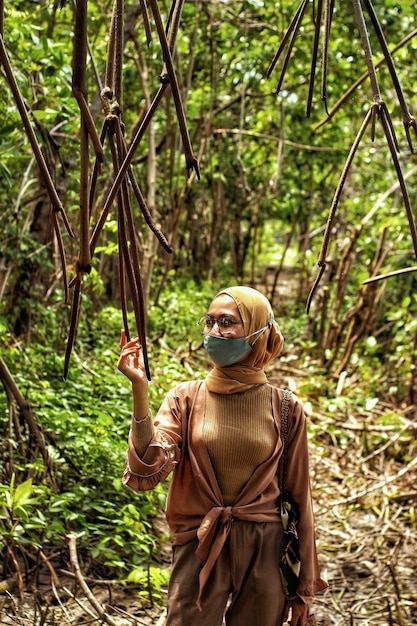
(256, 313)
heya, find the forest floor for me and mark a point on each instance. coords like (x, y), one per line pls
(365, 501)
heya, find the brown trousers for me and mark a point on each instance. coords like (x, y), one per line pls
(244, 585)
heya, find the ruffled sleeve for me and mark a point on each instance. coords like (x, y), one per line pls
(163, 452)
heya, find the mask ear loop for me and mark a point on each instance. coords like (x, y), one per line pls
(261, 330)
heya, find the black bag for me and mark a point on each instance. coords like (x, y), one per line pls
(290, 563)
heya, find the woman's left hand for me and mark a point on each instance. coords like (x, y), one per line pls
(299, 612)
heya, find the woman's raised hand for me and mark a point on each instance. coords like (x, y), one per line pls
(131, 360)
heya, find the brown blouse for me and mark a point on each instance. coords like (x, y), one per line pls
(195, 505)
(238, 442)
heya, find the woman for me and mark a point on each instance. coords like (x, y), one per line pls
(221, 436)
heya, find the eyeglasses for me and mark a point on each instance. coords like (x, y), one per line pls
(225, 324)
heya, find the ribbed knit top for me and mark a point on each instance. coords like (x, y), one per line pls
(239, 433)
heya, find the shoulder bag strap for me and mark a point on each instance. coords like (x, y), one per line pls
(285, 407)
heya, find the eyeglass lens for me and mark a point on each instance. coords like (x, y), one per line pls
(225, 324)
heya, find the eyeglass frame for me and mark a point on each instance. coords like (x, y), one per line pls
(202, 323)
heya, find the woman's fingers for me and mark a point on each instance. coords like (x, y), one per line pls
(124, 342)
(136, 357)
(122, 338)
(130, 362)
(130, 356)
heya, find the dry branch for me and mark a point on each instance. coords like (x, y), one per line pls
(101, 611)
(356, 496)
(13, 391)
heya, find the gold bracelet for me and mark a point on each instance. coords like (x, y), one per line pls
(148, 415)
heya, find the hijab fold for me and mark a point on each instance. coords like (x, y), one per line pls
(256, 313)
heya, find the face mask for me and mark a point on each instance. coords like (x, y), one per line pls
(225, 351)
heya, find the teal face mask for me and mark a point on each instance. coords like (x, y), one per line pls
(225, 351)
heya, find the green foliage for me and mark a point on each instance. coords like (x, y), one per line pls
(265, 168)
(85, 421)
(178, 311)
(223, 53)
(20, 517)
(153, 581)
